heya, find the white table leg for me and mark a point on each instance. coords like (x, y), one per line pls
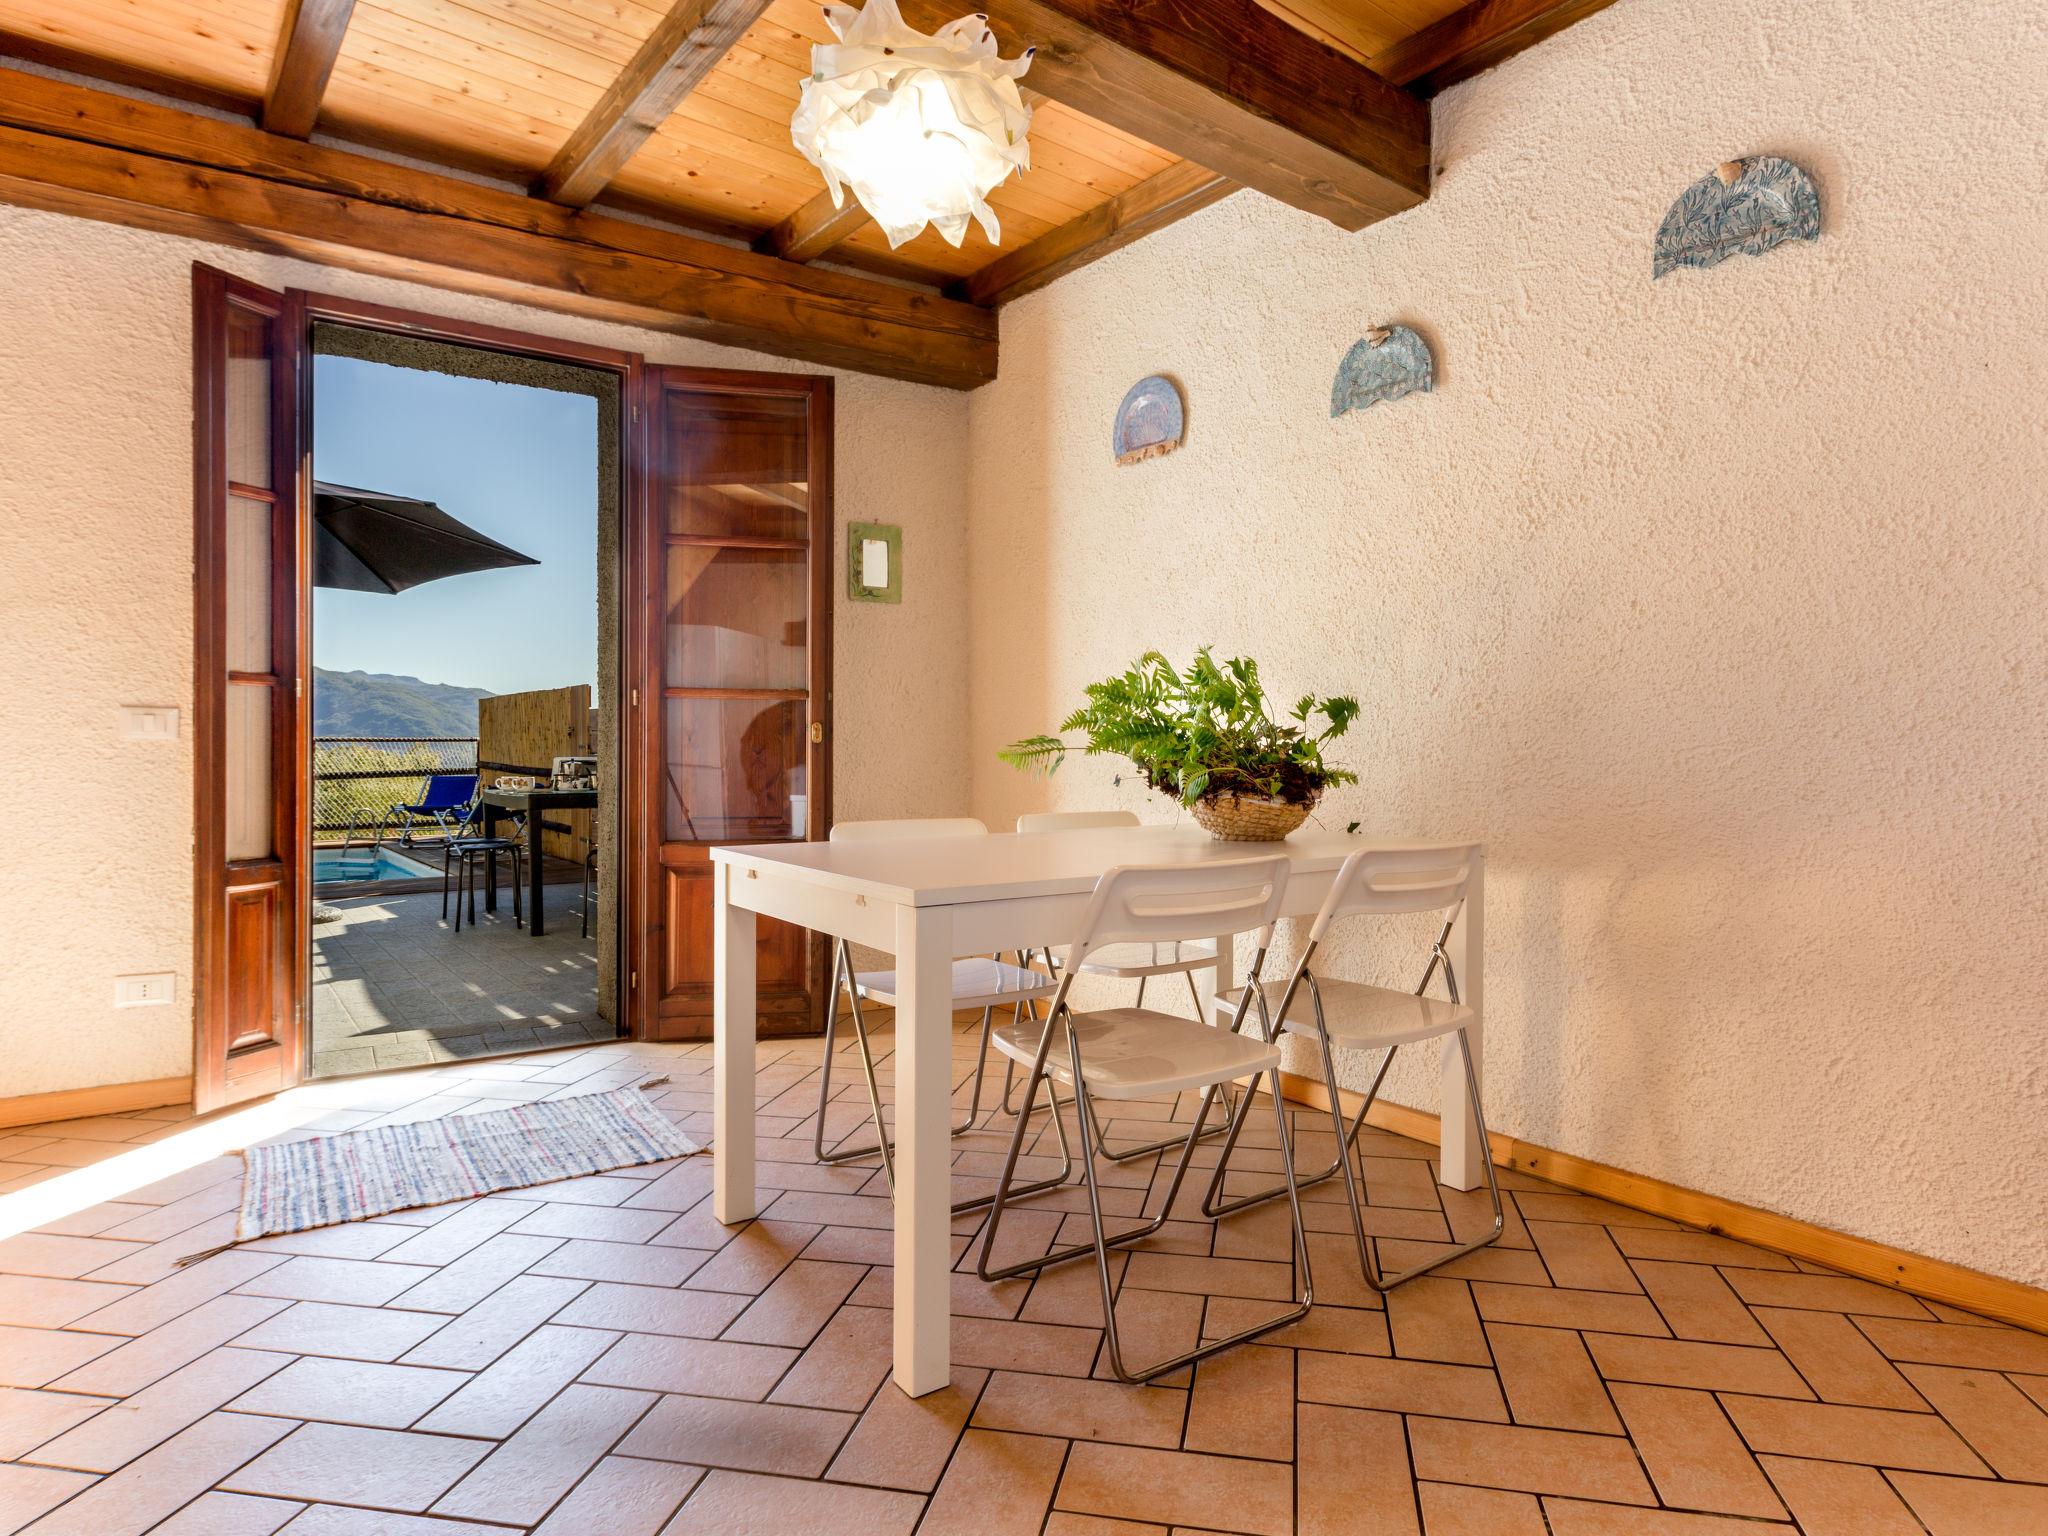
(1463, 1165)
(1209, 983)
(924, 1149)
(732, 1055)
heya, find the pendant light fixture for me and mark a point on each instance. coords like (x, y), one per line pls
(921, 129)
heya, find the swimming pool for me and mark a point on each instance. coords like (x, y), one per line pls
(338, 866)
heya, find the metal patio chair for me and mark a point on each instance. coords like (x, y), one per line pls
(448, 802)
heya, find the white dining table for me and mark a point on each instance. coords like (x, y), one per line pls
(929, 901)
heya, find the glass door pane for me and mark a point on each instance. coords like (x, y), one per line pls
(736, 627)
(736, 466)
(736, 617)
(738, 637)
(736, 770)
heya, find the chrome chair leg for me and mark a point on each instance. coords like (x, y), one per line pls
(1004, 1193)
(1373, 1276)
(1366, 1262)
(1348, 1140)
(842, 971)
(1103, 1240)
(884, 1146)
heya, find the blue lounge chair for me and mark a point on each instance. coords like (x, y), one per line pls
(449, 802)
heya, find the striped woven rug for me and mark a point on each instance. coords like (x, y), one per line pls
(324, 1179)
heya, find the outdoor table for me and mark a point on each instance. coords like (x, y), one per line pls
(930, 900)
(533, 804)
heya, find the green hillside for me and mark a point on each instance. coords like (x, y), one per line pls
(379, 704)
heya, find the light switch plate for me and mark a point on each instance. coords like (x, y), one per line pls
(149, 722)
(864, 562)
(145, 991)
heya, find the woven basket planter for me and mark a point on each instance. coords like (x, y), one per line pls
(1249, 818)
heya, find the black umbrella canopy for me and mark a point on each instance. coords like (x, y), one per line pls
(368, 541)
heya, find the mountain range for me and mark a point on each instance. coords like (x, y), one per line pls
(382, 704)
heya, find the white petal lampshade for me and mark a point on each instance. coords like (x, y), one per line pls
(921, 128)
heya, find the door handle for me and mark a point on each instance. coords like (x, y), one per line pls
(817, 731)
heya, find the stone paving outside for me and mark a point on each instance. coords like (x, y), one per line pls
(395, 986)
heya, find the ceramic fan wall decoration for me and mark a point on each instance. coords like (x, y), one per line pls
(1743, 207)
(1152, 420)
(1384, 364)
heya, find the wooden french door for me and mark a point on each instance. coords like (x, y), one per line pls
(249, 717)
(734, 739)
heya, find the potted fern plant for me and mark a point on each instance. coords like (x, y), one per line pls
(1206, 736)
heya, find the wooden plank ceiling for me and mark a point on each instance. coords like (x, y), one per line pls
(680, 109)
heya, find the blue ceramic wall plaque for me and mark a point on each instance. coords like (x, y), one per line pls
(1383, 364)
(1744, 207)
(1151, 420)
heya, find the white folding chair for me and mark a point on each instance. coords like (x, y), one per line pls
(986, 984)
(1133, 1053)
(1351, 1015)
(1139, 962)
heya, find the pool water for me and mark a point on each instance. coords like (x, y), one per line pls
(336, 866)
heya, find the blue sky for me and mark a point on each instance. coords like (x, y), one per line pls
(516, 463)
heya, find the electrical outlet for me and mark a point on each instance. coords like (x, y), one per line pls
(145, 991)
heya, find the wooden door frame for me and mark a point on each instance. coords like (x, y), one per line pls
(630, 369)
(304, 309)
(642, 814)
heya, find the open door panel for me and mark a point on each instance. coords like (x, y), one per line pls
(249, 727)
(736, 747)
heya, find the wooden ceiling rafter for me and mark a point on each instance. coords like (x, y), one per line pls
(70, 149)
(1470, 41)
(1454, 48)
(307, 45)
(1229, 85)
(678, 54)
(1152, 204)
(813, 229)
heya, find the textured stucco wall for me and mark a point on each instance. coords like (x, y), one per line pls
(1713, 605)
(96, 612)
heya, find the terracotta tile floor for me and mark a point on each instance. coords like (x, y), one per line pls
(601, 1358)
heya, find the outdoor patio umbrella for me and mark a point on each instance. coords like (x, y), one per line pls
(368, 541)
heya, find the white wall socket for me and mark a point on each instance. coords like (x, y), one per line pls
(145, 991)
(149, 722)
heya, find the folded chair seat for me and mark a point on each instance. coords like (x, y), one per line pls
(1360, 1017)
(980, 983)
(1158, 958)
(1131, 1053)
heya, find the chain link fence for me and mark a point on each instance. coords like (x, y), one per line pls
(357, 779)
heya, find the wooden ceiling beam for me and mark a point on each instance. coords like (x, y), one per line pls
(813, 229)
(74, 150)
(677, 55)
(1476, 38)
(1229, 85)
(1152, 204)
(307, 45)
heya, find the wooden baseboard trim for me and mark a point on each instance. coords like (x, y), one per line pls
(79, 1103)
(1990, 1296)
